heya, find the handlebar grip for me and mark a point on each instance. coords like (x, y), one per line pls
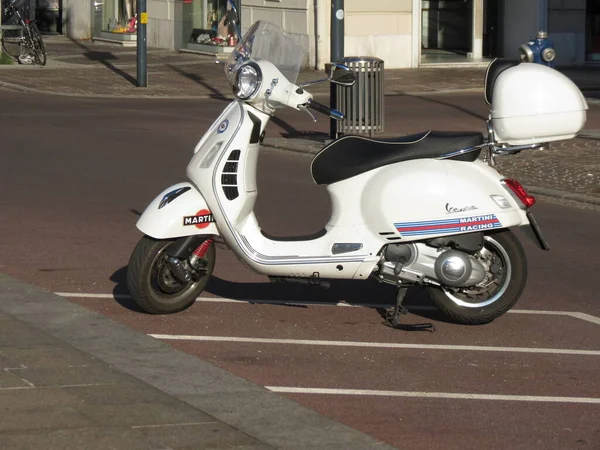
(323, 109)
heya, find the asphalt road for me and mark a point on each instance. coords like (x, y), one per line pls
(77, 172)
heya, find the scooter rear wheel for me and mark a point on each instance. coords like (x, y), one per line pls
(153, 286)
(506, 266)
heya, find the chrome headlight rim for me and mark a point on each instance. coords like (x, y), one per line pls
(236, 86)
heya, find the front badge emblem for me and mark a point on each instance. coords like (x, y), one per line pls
(223, 126)
(202, 219)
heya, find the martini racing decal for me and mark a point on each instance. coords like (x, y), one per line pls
(202, 219)
(448, 226)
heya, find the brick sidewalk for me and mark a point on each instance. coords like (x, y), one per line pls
(71, 378)
(100, 69)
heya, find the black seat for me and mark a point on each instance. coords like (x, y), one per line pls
(496, 67)
(352, 155)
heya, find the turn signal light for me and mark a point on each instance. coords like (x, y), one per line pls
(520, 192)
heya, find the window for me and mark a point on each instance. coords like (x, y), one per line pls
(208, 26)
(593, 30)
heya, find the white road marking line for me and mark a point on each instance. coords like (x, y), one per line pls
(559, 351)
(577, 315)
(586, 317)
(82, 295)
(187, 424)
(445, 395)
(28, 382)
(15, 388)
(574, 314)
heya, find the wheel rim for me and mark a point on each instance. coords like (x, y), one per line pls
(40, 51)
(162, 282)
(493, 287)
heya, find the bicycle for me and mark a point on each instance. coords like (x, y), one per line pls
(22, 42)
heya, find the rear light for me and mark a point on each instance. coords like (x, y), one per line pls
(520, 192)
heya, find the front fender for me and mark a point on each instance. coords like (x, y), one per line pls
(179, 210)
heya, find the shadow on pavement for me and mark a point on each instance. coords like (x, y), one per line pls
(591, 135)
(364, 293)
(216, 93)
(104, 58)
(453, 106)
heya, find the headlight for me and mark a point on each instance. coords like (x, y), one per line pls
(247, 81)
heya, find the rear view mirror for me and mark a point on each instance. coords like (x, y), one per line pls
(342, 75)
(338, 74)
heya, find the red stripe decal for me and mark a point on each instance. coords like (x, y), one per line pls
(447, 225)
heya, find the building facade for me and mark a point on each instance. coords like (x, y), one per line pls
(404, 33)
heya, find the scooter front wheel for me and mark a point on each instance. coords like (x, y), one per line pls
(152, 284)
(505, 281)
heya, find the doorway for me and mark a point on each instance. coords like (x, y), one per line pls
(446, 30)
(592, 44)
(492, 28)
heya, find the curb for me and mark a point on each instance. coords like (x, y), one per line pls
(563, 195)
(398, 93)
(17, 87)
(266, 416)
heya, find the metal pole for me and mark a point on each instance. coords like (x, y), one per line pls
(142, 49)
(543, 16)
(337, 53)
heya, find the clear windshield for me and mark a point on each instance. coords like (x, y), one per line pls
(266, 41)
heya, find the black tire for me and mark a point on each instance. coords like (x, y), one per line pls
(39, 48)
(151, 283)
(497, 294)
(11, 40)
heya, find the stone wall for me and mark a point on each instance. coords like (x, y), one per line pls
(383, 31)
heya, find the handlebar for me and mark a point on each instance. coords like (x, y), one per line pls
(323, 109)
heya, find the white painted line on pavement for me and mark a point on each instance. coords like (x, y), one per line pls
(389, 345)
(82, 295)
(586, 317)
(574, 314)
(444, 395)
(165, 425)
(31, 386)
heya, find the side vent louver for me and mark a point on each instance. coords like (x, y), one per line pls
(229, 175)
(390, 235)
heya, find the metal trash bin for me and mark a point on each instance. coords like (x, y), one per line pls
(363, 103)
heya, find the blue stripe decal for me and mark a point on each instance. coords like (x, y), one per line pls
(448, 226)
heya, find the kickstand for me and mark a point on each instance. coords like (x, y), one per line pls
(393, 319)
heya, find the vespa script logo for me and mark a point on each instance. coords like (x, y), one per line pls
(202, 219)
(453, 210)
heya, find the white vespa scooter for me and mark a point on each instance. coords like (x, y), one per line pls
(421, 209)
